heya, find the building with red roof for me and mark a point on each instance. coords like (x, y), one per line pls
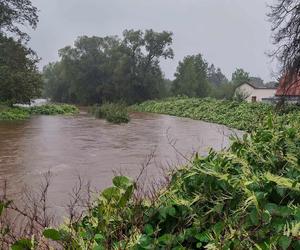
(289, 89)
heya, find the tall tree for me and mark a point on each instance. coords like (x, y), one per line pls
(215, 76)
(191, 77)
(240, 76)
(285, 17)
(99, 69)
(19, 78)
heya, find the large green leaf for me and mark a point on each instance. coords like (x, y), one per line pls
(52, 234)
(122, 182)
(23, 244)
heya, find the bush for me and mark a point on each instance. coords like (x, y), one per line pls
(112, 112)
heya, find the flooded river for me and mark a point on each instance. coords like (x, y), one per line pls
(94, 149)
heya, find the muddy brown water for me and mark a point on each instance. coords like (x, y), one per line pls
(94, 149)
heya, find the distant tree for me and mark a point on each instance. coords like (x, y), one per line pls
(16, 13)
(257, 81)
(240, 76)
(285, 17)
(19, 77)
(215, 76)
(191, 77)
(99, 69)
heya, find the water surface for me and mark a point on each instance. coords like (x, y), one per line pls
(93, 149)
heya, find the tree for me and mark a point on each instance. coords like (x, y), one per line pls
(19, 78)
(99, 69)
(285, 17)
(215, 76)
(191, 77)
(16, 13)
(239, 77)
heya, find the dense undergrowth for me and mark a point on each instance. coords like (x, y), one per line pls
(20, 113)
(239, 115)
(113, 112)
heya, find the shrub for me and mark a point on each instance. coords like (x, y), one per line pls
(112, 112)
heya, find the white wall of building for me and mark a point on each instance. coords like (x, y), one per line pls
(249, 91)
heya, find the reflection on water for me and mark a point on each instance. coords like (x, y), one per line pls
(82, 145)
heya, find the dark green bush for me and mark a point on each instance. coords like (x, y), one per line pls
(112, 112)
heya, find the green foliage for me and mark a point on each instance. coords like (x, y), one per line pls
(105, 224)
(112, 112)
(191, 77)
(17, 113)
(54, 109)
(240, 115)
(247, 197)
(110, 69)
(15, 13)
(19, 78)
(239, 77)
(10, 114)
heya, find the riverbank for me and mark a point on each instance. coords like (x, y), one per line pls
(22, 113)
(246, 197)
(239, 115)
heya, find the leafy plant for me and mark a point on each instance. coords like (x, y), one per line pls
(112, 112)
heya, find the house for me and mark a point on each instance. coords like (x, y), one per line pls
(253, 91)
(289, 89)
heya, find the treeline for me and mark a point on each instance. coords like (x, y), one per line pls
(110, 69)
(20, 80)
(126, 69)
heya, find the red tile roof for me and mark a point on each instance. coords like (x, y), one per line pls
(289, 87)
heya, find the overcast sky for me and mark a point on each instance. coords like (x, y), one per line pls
(228, 33)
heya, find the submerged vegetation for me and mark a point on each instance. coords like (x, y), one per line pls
(20, 113)
(113, 112)
(239, 115)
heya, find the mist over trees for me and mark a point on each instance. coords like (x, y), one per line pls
(110, 69)
(20, 80)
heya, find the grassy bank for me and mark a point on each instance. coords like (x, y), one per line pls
(239, 115)
(113, 112)
(18, 113)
